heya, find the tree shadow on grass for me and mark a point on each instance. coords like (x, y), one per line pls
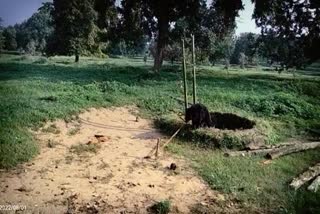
(83, 74)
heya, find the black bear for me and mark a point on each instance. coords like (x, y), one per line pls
(199, 115)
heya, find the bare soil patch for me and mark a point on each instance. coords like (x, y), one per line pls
(95, 164)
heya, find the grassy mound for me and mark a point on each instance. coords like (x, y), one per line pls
(217, 138)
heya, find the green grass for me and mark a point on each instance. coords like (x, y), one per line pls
(252, 182)
(34, 90)
(162, 207)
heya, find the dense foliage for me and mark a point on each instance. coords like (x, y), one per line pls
(75, 30)
(293, 23)
(290, 30)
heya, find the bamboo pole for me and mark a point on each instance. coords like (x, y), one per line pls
(194, 71)
(184, 76)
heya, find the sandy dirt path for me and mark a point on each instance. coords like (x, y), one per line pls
(77, 172)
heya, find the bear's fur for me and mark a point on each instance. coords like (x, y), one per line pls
(230, 121)
(199, 115)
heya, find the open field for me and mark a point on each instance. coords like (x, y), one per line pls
(35, 90)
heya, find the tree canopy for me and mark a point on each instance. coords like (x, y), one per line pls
(1, 36)
(36, 31)
(157, 17)
(75, 30)
(289, 30)
(296, 23)
(10, 42)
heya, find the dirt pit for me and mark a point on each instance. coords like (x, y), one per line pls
(230, 121)
(96, 164)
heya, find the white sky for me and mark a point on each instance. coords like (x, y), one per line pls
(245, 23)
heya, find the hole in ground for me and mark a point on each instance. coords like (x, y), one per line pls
(230, 121)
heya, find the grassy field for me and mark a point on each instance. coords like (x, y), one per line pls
(34, 90)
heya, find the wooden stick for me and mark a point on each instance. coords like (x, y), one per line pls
(194, 71)
(276, 153)
(308, 175)
(184, 76)
(157, 147)
(164, 145)
(151, 152)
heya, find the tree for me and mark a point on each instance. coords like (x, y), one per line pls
(242, 60)
(296, 23)
(222, 49)
(281, 52)
(75, 28)
(31, 47)
(162, 14)
(1, 36)
(37, 30)
(246, 43)
(9, 35)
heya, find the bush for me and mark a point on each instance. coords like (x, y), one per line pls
(162, 207)
(278, 105)
(41, 60)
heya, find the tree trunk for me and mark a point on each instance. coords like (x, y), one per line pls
(76, 58)
(292, 149)
(163, 31)
(308, 175)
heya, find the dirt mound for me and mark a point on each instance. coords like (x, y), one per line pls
(230, 121)
(95, 163)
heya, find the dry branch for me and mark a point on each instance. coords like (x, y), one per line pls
(155, 150)
(308, 175)
(164, 145)
(314, 186)
(292, 149)
(262, 150)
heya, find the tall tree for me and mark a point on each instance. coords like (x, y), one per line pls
(278, 50)
(9, 35)
(166, 12)
(75, 28)
(1, 36)
(245, 44)
(37, 29)
(296, 23)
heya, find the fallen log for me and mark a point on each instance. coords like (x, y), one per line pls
(261, 147)
(315, 185)
(292, 149)
(248, 153)
(262, 150)
(306, 176)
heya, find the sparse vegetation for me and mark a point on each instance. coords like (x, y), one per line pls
(51, 129)
(162, 207)
(74, 130)
(84, 148)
